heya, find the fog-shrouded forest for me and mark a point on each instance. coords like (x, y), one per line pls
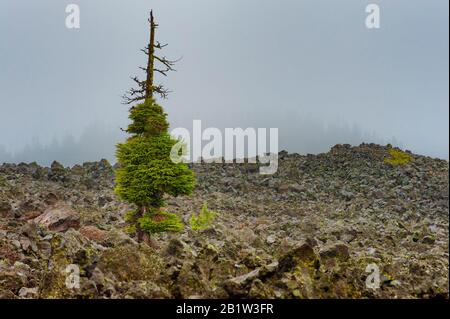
(98, 142)
(94, 144)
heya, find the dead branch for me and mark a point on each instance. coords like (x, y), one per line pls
(146, 88)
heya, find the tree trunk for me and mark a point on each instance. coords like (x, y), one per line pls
(142, 236)
(151, 58)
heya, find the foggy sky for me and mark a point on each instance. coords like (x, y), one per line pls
(309, 67)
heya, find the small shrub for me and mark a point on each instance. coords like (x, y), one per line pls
(203, 220)
(398, 157)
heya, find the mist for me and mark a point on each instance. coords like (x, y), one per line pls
(310, 68)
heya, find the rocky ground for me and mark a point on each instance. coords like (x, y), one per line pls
(309, 231)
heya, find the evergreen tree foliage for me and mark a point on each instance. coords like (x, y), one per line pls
(203, 220)
(146, 173)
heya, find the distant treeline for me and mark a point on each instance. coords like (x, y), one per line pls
(94, 144)
(308, 135)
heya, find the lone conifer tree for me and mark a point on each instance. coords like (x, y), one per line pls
(146, 172)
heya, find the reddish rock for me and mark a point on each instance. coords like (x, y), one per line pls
(93, 233)
(59, 219)
(30, 215)
(283, 188)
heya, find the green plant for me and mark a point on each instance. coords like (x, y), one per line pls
(398, 157)
(146, 172)
(203, 220)
(160, 222)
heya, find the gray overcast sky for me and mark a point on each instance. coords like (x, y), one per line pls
(309, 67)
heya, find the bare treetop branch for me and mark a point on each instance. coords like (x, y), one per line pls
(147, 87)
